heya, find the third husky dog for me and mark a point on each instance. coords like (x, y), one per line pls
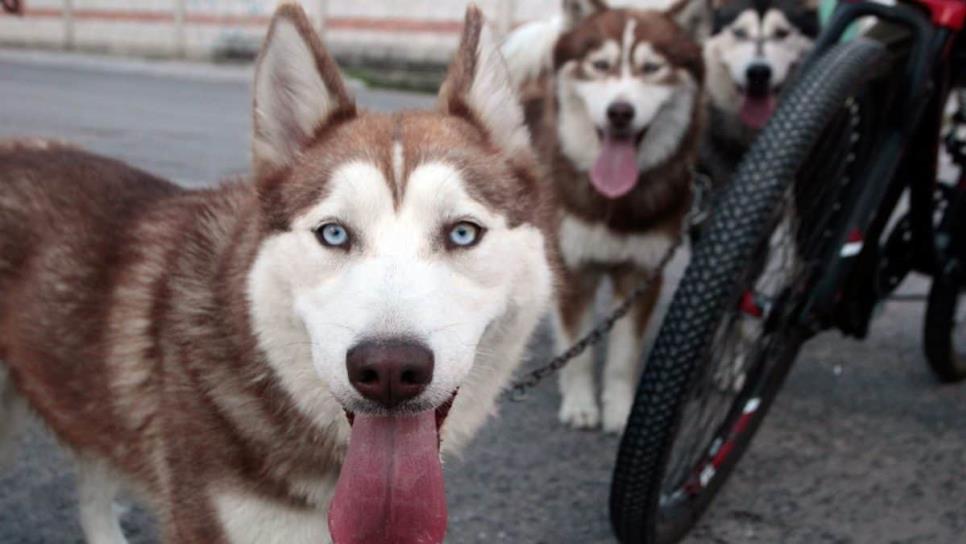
(616, 119)
(754, 49)
(217, 349)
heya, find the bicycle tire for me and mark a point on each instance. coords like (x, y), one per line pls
(948, 364)
(709, 283)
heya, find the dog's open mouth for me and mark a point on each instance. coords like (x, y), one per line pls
(757, 107)
(615, 172)
(391, 487)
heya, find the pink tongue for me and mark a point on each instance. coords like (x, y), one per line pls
(755, 111)
(390, 490)
(615, 172)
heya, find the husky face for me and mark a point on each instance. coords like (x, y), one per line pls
(426, 229)
(755, 46)
(630, 76)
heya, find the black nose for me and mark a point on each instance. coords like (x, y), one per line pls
(759, 79)
(389, 371)
(620, 115)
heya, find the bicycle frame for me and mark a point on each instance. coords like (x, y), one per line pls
(907, 159)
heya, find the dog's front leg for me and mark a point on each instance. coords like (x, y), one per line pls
(624, 352)
(97, 487)
(246, 517)
(575, 313)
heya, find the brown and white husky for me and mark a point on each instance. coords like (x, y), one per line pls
(244, 354)
(614, 108)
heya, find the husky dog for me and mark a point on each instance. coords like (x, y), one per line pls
(529, 48)
(616, 120)
(244, 354)
(754, 49)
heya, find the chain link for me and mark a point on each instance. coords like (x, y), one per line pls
(698, 212)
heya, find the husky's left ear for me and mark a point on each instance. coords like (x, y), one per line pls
(477, 88)
(575, 11)
(694, 16)
(298, 91)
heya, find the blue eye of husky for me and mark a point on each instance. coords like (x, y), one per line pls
(464, 235)
(601, 65)
(333, 235)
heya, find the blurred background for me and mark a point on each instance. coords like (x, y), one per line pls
(403, 43)
(861, 446)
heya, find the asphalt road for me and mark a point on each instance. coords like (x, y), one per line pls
(862, 446)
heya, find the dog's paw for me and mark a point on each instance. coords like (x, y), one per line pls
(617, 406)
(579, 411)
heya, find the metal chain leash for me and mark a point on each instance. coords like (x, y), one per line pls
(519, 389)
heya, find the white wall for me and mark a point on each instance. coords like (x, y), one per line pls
(410, 30)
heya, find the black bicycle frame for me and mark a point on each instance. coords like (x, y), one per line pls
(906, 158)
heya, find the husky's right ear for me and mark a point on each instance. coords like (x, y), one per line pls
(575, 11)
(298, 91)
(478, 89)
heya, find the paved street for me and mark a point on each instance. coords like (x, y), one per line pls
(862, 446)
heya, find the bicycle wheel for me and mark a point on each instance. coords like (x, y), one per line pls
(944, 328)
(731, 332)
(944, 337)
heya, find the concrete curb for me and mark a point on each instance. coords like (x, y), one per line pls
(237, 72)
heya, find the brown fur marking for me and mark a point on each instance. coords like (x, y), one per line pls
(124, 312)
